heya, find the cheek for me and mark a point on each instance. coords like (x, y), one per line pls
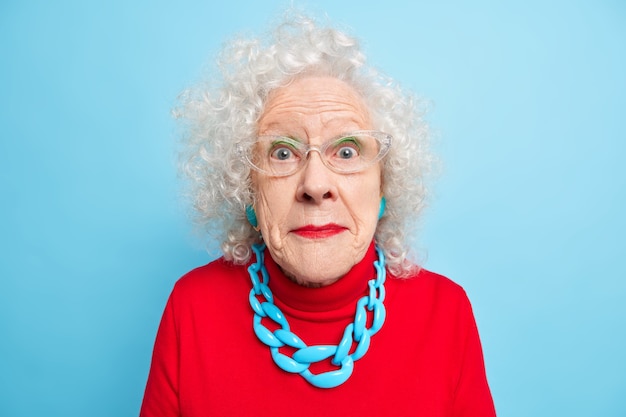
(367, 195)
(272, 204)
(363, 203)
(369, 209)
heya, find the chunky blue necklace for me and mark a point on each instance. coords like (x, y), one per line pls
(304, 355)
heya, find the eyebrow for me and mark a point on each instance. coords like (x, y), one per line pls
(281, 139)
(278, 136)
(344, 135)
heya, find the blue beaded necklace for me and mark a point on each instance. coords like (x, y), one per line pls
(304, 355)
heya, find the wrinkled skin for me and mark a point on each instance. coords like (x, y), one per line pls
(343, 208)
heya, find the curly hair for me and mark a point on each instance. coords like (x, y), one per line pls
(224, 110)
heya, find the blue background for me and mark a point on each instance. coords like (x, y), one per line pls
(529, 104)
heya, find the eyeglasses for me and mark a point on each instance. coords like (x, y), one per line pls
(280, 156)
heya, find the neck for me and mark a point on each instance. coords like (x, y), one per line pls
(355, 334)
(308, 284)
(304, 296)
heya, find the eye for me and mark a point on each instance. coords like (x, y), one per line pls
(347, 152)
(284, 149)
(282, 153)
(347, 148)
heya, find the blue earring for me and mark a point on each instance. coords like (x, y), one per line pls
(383, 205)
(251, 215)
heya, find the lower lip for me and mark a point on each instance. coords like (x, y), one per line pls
(318, 233)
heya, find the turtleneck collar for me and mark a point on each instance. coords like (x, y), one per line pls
(347, 290)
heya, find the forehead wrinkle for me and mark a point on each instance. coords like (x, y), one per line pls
(306, 116)
(303, 129)
(306, 108)
(296, 107)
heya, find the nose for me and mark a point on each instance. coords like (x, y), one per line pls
(316, 181)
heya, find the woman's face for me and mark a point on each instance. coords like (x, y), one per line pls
(316, 223)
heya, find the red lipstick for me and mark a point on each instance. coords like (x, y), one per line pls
(319, 232)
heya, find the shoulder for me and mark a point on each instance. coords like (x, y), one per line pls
(424, 280)
(427, 290)
(217, 277)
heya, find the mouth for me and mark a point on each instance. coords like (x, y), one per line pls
(319, 232)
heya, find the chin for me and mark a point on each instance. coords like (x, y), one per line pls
(319, 262)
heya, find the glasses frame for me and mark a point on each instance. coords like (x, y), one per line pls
(384, 139)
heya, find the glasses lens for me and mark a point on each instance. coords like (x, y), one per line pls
(277, 155)
(353, 153)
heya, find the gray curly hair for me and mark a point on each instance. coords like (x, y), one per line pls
(223, 111)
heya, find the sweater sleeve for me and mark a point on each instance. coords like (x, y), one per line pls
(472, 396)
(161, 394)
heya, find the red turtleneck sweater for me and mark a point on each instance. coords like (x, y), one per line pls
(207, 361)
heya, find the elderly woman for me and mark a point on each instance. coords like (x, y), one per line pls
(311, 165)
